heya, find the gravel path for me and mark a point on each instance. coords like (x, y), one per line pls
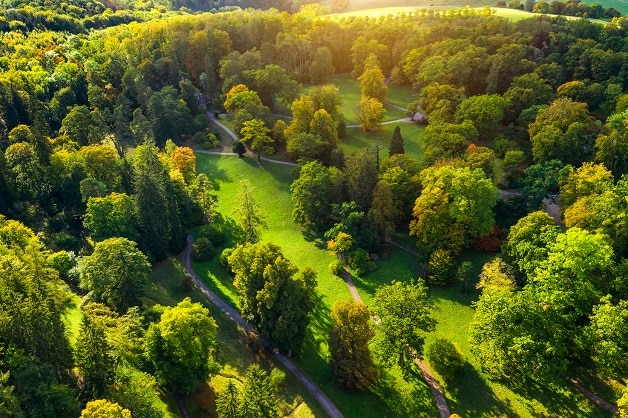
(309, 384)
(604, 404)
(439, 397)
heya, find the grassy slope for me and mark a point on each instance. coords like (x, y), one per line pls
(271, 181)
(381, 9)
(473, 395)
(231, 354)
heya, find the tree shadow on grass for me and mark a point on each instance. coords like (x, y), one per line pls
(214, 173)
(311, 354)
(474, 398)
(315, 238)
(559, 399)
(404, 398)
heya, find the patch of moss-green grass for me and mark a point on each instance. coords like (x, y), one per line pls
(349, 90)
(412, 135)
(72, 317)
(392, 397)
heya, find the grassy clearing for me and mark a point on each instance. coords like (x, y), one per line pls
(349, 89)
(357, 6)
(412, 135)
(231, 353)
(72, 317)
(473, 394)
(393, 397)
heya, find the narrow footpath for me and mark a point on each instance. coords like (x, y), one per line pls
(309, 384)
(439, 397)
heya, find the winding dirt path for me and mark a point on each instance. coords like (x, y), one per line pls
(604, 404)
(309, 384)
(439, 397)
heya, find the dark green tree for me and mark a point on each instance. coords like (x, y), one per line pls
(158, 217)
(396, 143)
(258, 397)
(94, 359)
(361, 172)
(321, 67)
(228, 403)
(277, 303)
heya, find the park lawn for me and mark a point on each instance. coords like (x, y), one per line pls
(231, 353)
(359, 7)
(349, 90)
(72, 317)
(412, 134)
(393, 397)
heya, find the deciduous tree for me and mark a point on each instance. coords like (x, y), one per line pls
(270, 297)
(404, 313)
(180, 346)
(111, 216)
(248, 213)
(255, 135)
(370, 112)
(103, 408)
(455, 206)
(115, 273)
(349, 339)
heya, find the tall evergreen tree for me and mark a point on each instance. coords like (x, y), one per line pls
(159, 224)
(94, 359)
(396, 143)
(228, 403)
(258, 398)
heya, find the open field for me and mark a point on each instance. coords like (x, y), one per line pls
(472, 395)
(271, 181)
(379, 8)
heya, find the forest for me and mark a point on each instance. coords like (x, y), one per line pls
(442, 193)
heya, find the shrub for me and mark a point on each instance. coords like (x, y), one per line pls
(442, 268)
(224, 259)
(360, 262)
(215, 231)
(337, 267)
(239, 148)
(445, 358)
(211, 141)
(186, 283)
(203, 249)
(502, 145)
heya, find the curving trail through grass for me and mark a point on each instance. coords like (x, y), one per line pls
(230, 311)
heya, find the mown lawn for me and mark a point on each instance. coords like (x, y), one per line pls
(349, 90)
(231, 353)
(412, 135)
(393, 397)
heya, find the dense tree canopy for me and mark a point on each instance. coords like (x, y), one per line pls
(181, 344)
(272, 299)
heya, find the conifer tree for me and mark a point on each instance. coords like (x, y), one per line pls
(94, 359)
(396, 143)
